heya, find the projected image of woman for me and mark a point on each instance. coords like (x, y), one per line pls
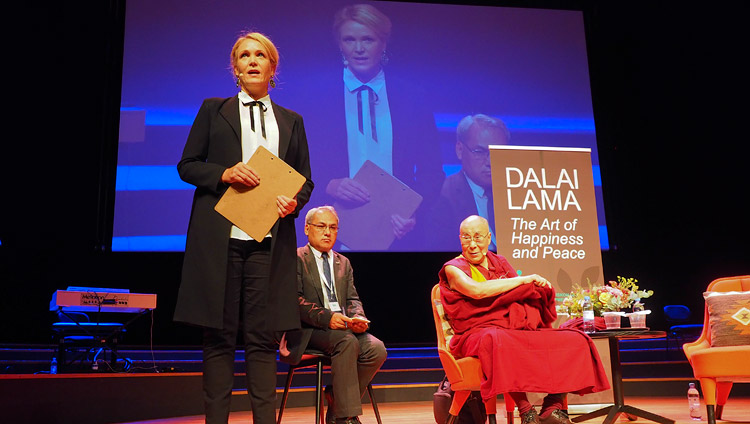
(231, 282)
(381, 121)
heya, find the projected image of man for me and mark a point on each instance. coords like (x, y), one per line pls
(469, 191)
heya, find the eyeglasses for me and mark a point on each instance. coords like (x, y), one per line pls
(465, 238)
(478, 153)
(322, 227)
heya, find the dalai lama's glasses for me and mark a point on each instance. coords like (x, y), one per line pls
(465, 238)
(322, 227)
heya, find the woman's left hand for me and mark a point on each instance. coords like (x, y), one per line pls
(401, 225)
(285, 205)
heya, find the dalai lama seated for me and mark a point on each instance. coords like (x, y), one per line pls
(505, 320)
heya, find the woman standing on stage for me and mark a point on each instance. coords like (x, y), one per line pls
(231, 282)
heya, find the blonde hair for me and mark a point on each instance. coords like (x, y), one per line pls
(273, 53)
(366, 15)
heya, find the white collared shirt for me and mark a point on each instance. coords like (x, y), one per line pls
(362, 147)
(481, 199)
(252, 139)
(319, 261)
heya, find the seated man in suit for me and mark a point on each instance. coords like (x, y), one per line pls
(505, 320)
(469, 191)
(333, 319)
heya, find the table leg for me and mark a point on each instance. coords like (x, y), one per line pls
(631, 410)
(590, 415)
(619, 406)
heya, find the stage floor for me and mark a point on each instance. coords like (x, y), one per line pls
(737, 410)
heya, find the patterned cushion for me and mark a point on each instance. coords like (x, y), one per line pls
(729, 318)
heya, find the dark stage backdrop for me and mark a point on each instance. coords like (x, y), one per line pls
(526, 66)
(664, 80)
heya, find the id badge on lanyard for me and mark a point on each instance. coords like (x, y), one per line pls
(334, 306)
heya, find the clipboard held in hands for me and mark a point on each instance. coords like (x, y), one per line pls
(253, 209)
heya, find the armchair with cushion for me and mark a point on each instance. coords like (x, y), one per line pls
(720, 355)
(464, 374)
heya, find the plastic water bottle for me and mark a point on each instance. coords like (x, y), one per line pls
(588, 315)
(53, 365)
(694, 402)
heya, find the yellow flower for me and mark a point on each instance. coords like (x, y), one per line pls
(604, 297)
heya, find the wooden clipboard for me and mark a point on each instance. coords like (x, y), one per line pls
(368, 227)
(253, 209)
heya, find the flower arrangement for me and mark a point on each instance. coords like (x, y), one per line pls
(618, 295)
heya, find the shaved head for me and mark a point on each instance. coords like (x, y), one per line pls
(474, 222)
(475, 239)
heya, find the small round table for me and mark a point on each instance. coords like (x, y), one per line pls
(619, 407)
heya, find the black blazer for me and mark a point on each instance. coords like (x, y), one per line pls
(214, 144)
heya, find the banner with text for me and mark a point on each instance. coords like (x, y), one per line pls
(545, 213)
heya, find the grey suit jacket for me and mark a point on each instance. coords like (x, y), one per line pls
(310, 293)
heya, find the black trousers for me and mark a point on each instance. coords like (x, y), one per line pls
(245, 302)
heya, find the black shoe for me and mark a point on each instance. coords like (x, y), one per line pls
(330, 417)
(530, 417)
(350, 420)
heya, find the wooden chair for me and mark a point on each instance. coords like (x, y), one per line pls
(718, 367)
(465, 374)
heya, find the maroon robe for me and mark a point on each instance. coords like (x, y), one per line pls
(511, 335)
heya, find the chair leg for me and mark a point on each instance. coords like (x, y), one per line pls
(709, 396)
(722, 394)
(319, 418)
(61, 359)
(374, 403)
(708, 386)
(719, 411)
(286, 394)
(459, 399)
(510, 406)
(710, 416)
